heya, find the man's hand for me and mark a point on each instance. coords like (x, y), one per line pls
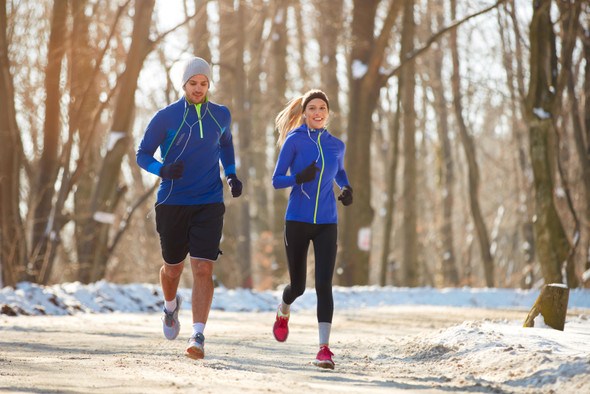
(172, 170)
(235, 185)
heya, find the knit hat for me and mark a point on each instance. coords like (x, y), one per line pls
(196, 66)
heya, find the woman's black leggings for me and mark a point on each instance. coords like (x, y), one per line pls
(324, 237)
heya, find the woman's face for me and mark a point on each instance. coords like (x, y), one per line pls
(316, 113)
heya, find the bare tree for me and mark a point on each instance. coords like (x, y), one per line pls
(330, 36)
(12, 237)
(512, 61)
(107, 191)
(470, 154)
(545, 86)
(365, 80)
(447, 166)
(200, 36)
(410, 267)
(585, 33)
(46, 177)
(277, 70)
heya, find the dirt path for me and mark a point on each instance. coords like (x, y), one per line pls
(127, 353)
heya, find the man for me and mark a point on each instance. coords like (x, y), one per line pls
(193, 135)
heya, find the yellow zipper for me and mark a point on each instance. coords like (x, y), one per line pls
(198, 109)
(317, 197)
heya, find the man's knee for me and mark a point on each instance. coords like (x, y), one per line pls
(202, 268)
(172, 271)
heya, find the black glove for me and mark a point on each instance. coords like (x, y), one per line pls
(346, 195)
(235, 185)
(307, 174)
(172, 170)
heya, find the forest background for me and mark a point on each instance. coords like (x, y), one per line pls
(466, 123)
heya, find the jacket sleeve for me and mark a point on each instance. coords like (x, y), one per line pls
(280, 179)
(153, 137)
(227, 154)
(341, 178)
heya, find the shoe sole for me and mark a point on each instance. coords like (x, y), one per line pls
(324, 364)
(195, 353)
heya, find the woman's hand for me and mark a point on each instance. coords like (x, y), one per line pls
(307, 174)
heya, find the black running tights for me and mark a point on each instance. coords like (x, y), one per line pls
(324, 237)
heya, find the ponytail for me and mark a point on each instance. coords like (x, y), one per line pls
(288, 119)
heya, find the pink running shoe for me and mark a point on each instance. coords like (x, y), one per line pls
(281, 327)
(324, 358)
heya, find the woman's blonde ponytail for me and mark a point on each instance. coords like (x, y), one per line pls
(288, 119)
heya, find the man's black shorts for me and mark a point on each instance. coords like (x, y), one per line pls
(189, 228)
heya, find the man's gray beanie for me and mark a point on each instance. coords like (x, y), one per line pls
(196, 66)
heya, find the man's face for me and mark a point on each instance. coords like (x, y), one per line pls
(196, 89)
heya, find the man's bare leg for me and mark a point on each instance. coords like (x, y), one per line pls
(169, 279)
(202, 298)
(202, 289)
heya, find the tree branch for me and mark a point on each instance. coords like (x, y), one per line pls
(411, 56)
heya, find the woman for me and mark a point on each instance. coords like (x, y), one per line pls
(314, 159)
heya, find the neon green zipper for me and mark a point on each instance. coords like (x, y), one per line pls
(198, 109)
(317, 197)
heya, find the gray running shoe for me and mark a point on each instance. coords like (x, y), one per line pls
(171, 322)
(196, 346)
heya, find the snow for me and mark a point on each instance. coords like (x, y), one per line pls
(104, 297)
(359, 69)
(499, 351)
(541, 113)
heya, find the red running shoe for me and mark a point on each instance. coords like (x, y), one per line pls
(324, 358)
(281, 326)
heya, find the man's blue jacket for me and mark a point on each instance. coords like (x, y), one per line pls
(199, 135)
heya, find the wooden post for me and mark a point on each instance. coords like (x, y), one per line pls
(552, 305)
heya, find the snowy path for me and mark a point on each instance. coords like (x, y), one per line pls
(410, 349)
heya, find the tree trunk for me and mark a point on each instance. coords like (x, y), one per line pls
(244, 124)
(48, 164)
(552, 245)
(330, 34)
(258, 187)
(515, 82)
(200, 36)
(278, 89)
(552, 305)
(94, 251)
(586, 120)
(470, 154)
(410, 262)
(359, 215)
(13, 246)
(385, 275)
(447, 171)
(236, 272)
(83, 110)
